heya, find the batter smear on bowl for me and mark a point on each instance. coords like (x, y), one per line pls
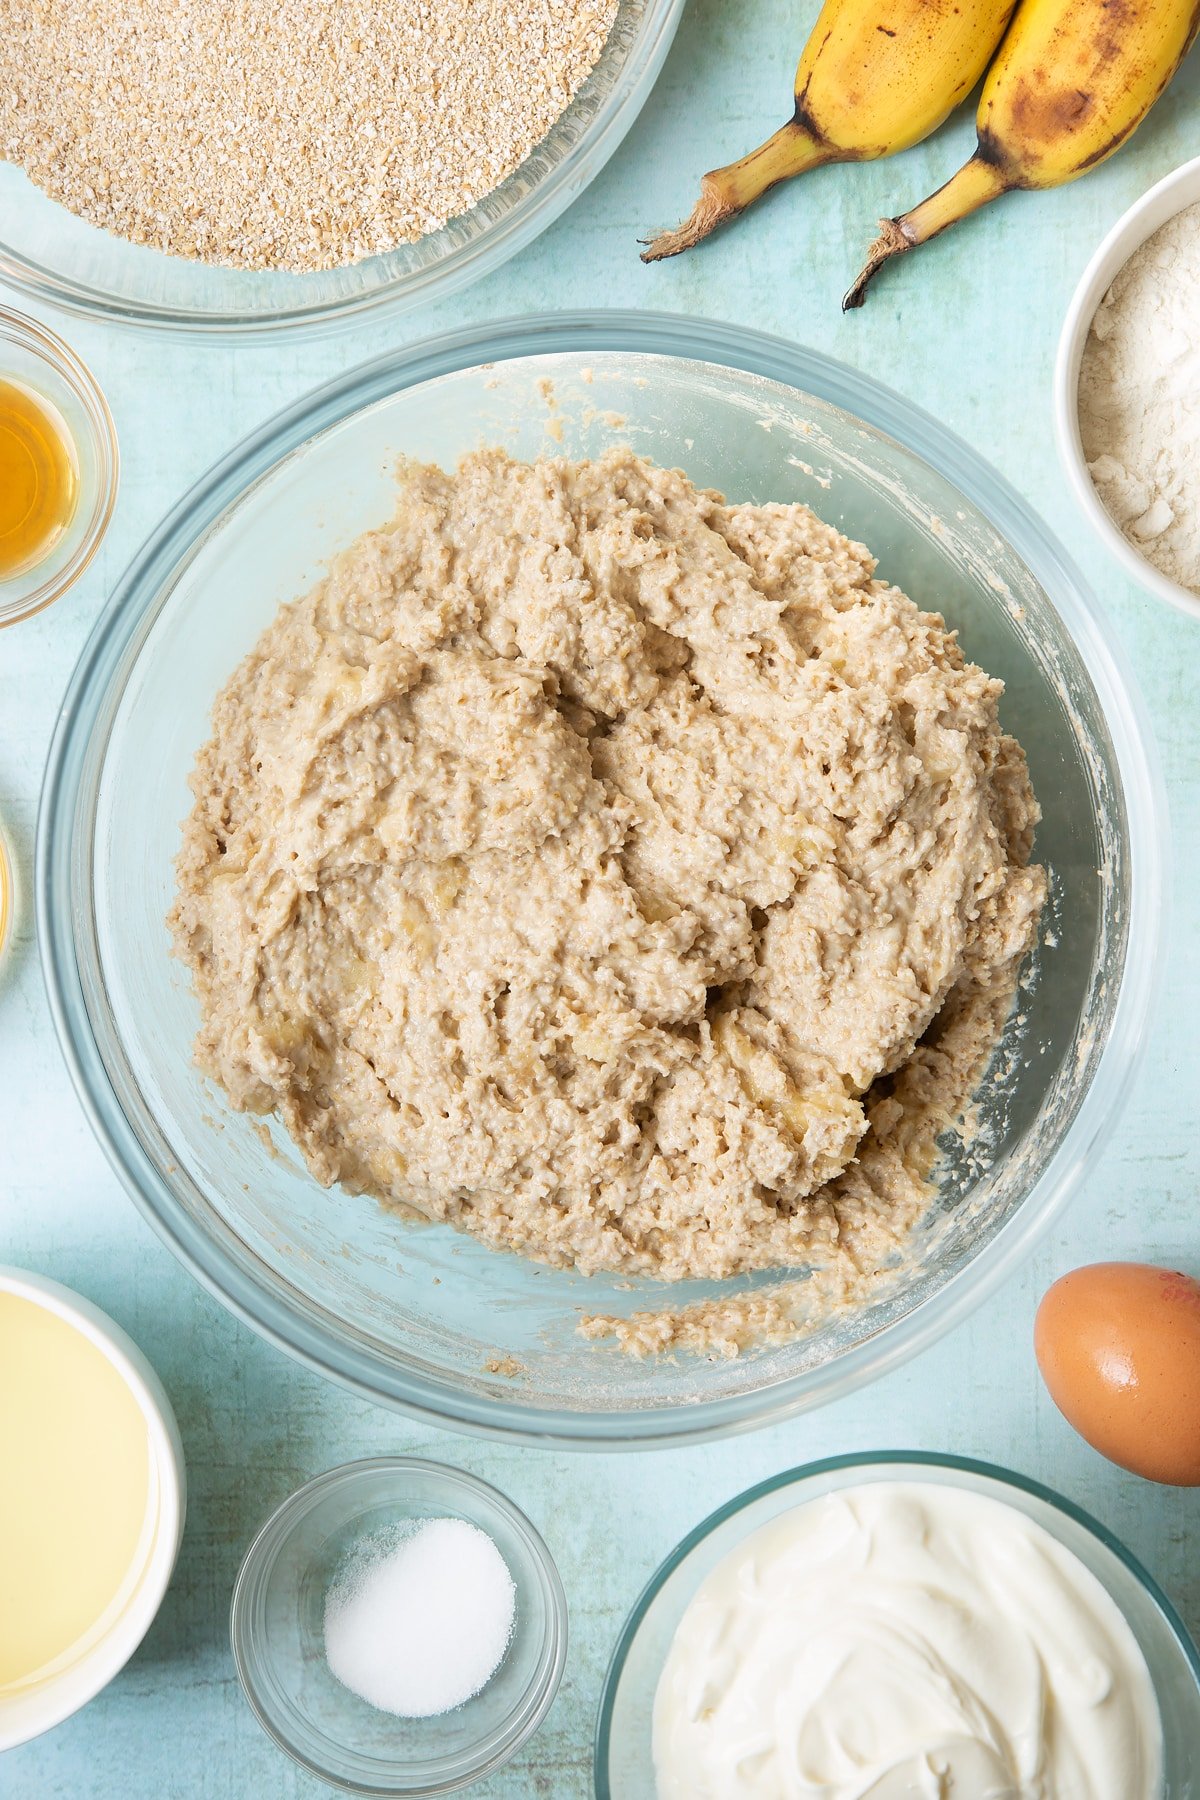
(626, 877)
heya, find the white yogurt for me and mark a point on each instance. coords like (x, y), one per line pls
(905, 1641)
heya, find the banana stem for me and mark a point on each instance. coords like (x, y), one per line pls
(726, 192)
(977, 182)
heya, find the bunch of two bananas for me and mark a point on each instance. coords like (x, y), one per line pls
(1070, 81)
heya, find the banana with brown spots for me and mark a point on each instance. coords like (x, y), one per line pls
(1071, 81)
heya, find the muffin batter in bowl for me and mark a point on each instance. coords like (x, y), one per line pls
(626, 877)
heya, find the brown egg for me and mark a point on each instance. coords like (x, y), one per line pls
(1118, 1345)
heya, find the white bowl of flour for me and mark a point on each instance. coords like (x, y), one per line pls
(1127, 390)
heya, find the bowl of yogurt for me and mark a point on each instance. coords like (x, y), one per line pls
(900, 1624)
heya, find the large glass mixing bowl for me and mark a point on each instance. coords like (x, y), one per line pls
(417, 1315)
(57, 259)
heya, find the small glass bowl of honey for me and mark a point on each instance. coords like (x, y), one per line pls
(58, 466)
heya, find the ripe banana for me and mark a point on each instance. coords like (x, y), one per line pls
(1072, 80)
(875, 76)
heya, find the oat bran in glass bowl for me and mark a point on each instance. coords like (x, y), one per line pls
(58, 258)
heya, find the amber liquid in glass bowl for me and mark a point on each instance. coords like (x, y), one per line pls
(39, 478)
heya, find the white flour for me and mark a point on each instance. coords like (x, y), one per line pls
(1139, 399)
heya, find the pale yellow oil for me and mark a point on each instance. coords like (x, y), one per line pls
(39, 482)
(74, 1487)
(7, 895)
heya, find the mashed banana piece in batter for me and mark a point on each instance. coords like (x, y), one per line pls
(583, 861)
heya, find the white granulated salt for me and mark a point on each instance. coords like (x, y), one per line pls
(1139, 399)
(417, 1621)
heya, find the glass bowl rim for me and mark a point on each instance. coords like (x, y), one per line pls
(545, 202)
(846, 1463)
(264, 1546)
(132, 607)
(70, 367)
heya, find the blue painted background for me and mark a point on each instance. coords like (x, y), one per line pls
(968, 328)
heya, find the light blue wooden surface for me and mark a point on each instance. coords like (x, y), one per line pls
(968, 328)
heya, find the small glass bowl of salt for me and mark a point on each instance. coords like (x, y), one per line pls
(399, 1627)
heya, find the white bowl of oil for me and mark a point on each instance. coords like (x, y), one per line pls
(58, 467)
(91, 1503)
(8, 897)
